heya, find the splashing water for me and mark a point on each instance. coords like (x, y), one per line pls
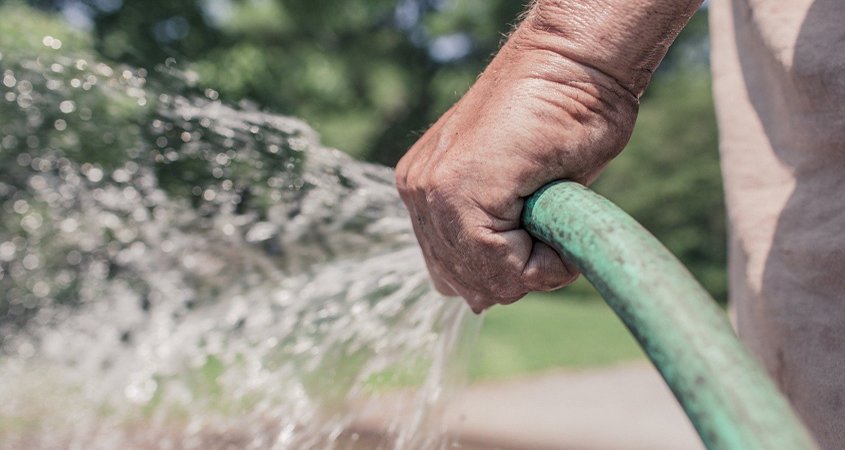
(179, 273)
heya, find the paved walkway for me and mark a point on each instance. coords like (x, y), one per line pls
(627, 407)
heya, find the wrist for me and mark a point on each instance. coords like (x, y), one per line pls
(624, 40)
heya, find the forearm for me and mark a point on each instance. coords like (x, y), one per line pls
(624, 39)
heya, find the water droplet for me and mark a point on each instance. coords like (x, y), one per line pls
(141, 391)
(24, 159)
(67, 106)
(41, 289)
(9, 79)
(74, 257)
(25, 87)
(7, 251)
(298, 144)
(60, 125)
(32, 222)
(94, 174)
(130, 193)
(9, 142)
(167, 246)
(38, 182)
(31, 261)
(121, 176)
(261, 231)
(24, 101)
(105, 70)
(20, 206)
(69, 225)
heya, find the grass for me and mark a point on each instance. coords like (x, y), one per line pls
(571, 328)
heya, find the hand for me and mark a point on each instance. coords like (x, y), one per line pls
(532, 117)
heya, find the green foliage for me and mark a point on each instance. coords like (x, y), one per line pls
(367, 74)
(24, 30)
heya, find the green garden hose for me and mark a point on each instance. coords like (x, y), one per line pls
(726, 394)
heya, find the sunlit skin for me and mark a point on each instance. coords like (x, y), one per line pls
(558, 101)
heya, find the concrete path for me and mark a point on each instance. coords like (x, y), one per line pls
(626, 408)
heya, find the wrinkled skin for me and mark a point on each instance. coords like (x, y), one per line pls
(535, 115)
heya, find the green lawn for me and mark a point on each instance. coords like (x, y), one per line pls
(571, 328)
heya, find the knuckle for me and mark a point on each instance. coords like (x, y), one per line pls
(444, 173)
(401, 180)
(402, 174)
(492, 247)
(439, 188)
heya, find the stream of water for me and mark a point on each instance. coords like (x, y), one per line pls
(179, 273)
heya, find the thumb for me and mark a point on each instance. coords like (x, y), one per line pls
(545, 270)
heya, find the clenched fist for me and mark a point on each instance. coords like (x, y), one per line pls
(558, 101)
(533, 116)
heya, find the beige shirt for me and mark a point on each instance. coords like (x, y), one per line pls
(779, 83)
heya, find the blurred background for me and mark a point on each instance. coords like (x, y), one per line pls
(370, 75)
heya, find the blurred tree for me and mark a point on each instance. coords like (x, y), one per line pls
(365, 73)
(370, 75)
